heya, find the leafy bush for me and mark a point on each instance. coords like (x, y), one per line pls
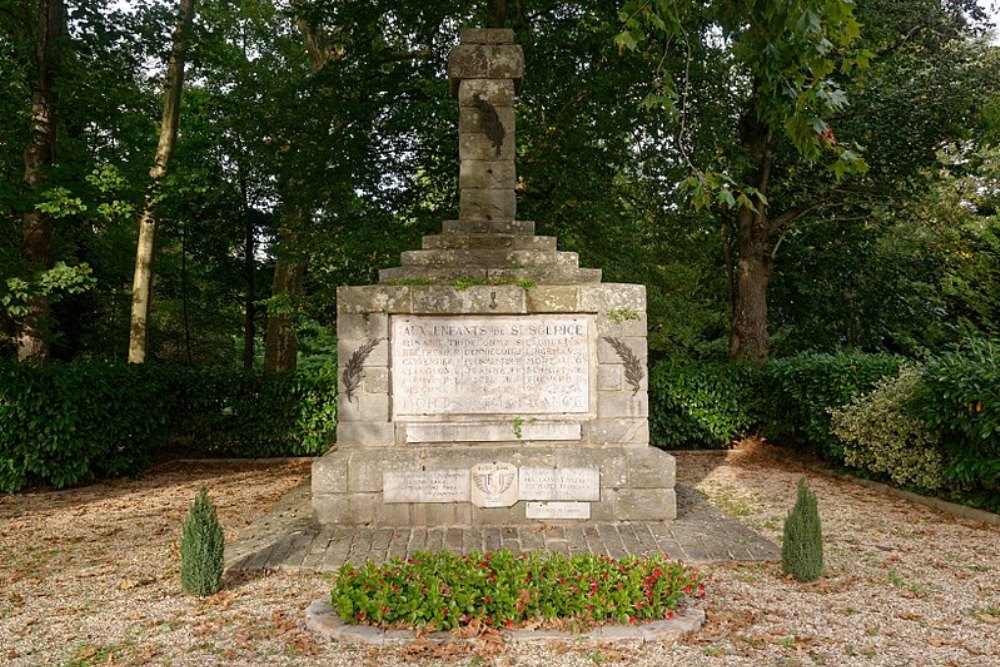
(881, 434)
(696, 405)
(961, 400)
(228, 412)
(800, 390)
(503, 589)
(66, 424)
(202, 548)
(802, 544)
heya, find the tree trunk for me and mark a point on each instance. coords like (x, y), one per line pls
(249, 278)
(143, 278)
(496, 13)
(280, 343)
(36, 227)
(748, 335)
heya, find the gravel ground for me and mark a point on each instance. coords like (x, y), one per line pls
(90, 577)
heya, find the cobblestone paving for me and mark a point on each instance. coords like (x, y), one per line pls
(287, 539)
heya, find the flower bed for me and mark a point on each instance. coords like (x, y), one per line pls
(442, 591)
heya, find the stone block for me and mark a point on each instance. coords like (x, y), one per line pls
(433, 274)
(498, 92)
(331, 508)
(553, 299)
(377, 357)
(651, 468)
(619, 431)
(609, 378)
(472, 120)
(373, 299)
(485, 61)
(478, 147)
(498, 516)
(604, 511)
(607, 354)
(645, 505)
(490, 174)
(492, 432)
(487, 204)
(549, 275)
(486, 36)
(486, 299)
(363, 507)
(623, 324)
(608, 297)
(393, 514)
(363, 407)
(622, 404)
(376, 380)
(611, 461)
(360, 326)
(329, 474)
(440, 514)
(483, 226)
(378, 434)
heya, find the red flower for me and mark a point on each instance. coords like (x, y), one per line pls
(486, 599)
(631, 619)
(488, 620)
(509, 623)
(669, 614)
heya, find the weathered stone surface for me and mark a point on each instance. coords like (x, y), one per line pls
(609, 378)
(487, 174)
(645, 505)
(495, 241)
(486, 36)
(624, 431)
(444, 275)
(497, 92)
(557, 510)
(364, 407)
(607, 354)
(362, 326)
(492, 431)
(477, 147)
(484, 226)
(373, 299)
(560, 483)
(490, 257)
(651, 468)
(426, 486)
(451, 514)
(485, 61)
(329, 474)
(622, 404)
(610, 297)
(622, 324)
(550, 275)
(487, 204)
(376, 380)
(553, 299)
(477, 299)
(365, 433)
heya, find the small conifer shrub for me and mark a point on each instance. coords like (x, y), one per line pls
(201, 548)
(802, 546)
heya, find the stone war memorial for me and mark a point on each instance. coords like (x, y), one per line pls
(489, 380)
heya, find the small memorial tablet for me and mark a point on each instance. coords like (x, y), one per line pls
(425, 486)
(557, 510)
(560, 483)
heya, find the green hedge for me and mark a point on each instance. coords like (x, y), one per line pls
(66, 424)
(961, 401)
(702, 405)
(798, 393)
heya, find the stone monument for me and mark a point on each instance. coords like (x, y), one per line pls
(489, 380)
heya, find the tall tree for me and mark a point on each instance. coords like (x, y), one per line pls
(142, 282)
(32, 344)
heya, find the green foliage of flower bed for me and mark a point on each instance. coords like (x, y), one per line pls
(67, 424)
(702, 405)
(501, 589)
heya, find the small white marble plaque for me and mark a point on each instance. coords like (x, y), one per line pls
(425, 486)
(560, 484)
(492, 431)
(480, 364)
(493, 484)
(557, 510)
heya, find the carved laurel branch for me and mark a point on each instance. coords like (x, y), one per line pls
(492, 126)
(633, 367)
(355, 365)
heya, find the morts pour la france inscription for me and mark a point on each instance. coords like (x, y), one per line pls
(490, 365)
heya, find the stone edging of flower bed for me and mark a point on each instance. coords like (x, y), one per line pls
(322, 619)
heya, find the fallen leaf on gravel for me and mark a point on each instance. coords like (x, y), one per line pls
(988, 618)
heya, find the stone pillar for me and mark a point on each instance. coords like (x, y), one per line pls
(485, 71)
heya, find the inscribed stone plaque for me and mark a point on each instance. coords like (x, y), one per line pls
(493, 484)
(425, 486)
(557, 510)
(560, 483)
(529, 364)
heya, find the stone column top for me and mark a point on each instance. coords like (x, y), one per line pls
(486, 54)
